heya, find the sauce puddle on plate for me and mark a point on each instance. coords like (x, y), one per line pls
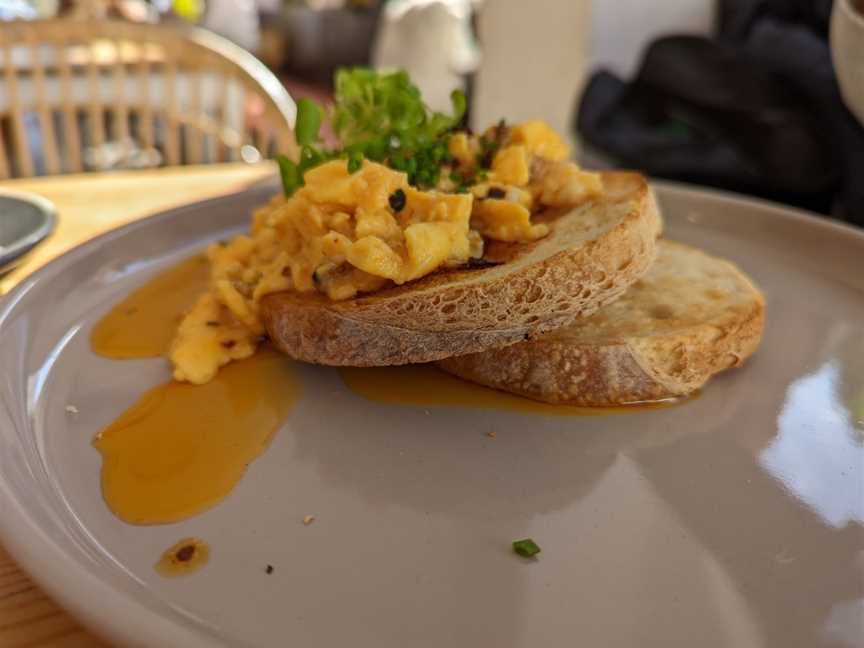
(182, 448)
(428, 386)
(184, 558)
(143, 324)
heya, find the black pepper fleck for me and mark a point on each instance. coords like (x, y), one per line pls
(212, 323)
(269, 569)
(496, 192)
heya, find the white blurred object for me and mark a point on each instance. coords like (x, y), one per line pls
(236, 20)
(847, 51)
(120, 154)
(46, 8)
(432, 41)
(268, 6)
(621, 29)
(536, 54)
(534, 57)
(16, 10)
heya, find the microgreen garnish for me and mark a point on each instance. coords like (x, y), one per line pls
(308, 122)
(379, 117)
(526, 548)
(289, 171)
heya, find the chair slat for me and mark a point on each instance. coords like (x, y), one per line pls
(95, 103)
(220, 150)
(145, 114)
(71, 132)
(172, 139)
(4, 164)
(227, 153)
(16, 114)
(120, 123)
(43, 111)
(194, 131)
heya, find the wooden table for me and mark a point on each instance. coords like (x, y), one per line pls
(88, 205)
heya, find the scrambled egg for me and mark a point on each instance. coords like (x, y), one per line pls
(340, 234)
(346, 233)
(530, 169)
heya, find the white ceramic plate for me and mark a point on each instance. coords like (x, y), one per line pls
(732, 520)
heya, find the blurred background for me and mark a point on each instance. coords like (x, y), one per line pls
(736, 94)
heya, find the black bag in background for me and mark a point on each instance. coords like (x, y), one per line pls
(735, 18)
(756, 110)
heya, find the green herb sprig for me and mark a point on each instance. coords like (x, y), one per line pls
(526, 548)
(380, 117)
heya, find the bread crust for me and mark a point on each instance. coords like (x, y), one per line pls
(592, 254)
(602, 363)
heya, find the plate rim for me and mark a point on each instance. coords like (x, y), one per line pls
(22, 246)
(122, 617)
(787, 211)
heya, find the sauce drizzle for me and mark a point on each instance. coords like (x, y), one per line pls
(182, 448)
(428, 386)
(184, 558)
(143, 325)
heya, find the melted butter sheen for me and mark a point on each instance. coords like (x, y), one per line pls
(182, 448)
(427, 386)
(143, 324)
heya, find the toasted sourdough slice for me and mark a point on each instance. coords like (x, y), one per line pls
(691, 316)
(591, 255)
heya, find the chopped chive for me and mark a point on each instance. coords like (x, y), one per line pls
(397, 200)
(526, 548)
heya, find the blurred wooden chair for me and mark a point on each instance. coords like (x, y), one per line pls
(76, 95)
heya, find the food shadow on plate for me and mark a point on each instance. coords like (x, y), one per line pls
(707, 467)
(444, 459)
(568, 482)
